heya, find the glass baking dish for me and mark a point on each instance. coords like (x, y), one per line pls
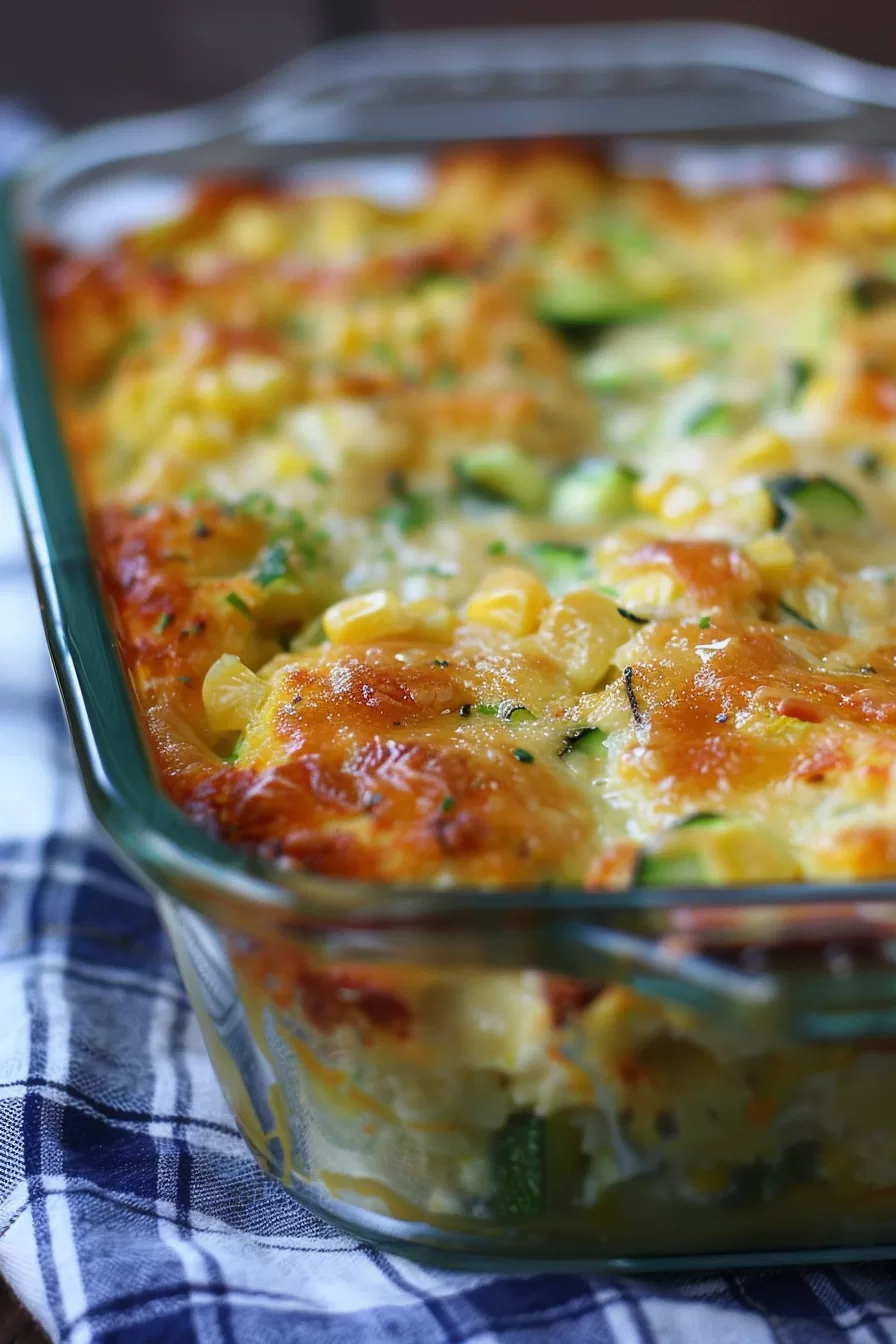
(655, 1078)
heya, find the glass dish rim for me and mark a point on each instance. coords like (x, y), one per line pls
(124, 793)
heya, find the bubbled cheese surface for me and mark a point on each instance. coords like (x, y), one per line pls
(364, 648)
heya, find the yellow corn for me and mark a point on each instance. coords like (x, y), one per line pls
(285, 461)
(508, 599)
(374, 615)
(750, 511)
(430, 618)
(582, 630)
(822, 392)
(651, 490)
(678, 364)
(231, 694)
(246, 384)
(204, 438)
(254, 231)
(654, 589)
(682, 502)
(761, 451)
(774, 558)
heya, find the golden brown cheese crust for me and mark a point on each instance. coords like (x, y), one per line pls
(272, 403)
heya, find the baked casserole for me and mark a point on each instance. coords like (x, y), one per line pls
(538, 534)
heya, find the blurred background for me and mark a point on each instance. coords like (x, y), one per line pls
(78, 62)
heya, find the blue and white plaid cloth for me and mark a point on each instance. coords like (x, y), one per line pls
(130, 1210)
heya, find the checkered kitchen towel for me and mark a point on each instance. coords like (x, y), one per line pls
(130, 1209)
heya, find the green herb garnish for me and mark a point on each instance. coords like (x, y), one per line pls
(523, 755)
(163, 622)
(273, 564)
(239, 605)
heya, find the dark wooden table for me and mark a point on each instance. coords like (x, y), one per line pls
(16, 1326)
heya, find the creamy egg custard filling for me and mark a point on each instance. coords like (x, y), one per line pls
(542, 533)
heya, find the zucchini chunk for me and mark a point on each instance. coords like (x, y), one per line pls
(829, 506)
(594, 492)
(870, 292)
(714, 418)
(561, 564)
(538, 1164)
(502, 471)
(588, 742)
(577, 307)
(519, 1167)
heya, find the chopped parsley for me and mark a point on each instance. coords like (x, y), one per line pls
(273, 564)
(408, 512)
(239, 605)
(714, 418)
(446, 804)
(440, 662)
(496, 547)
(319, 476)
(704, 622)
(385, 354)
(523, 755)
(446, 375)
(163, 622)
(799, 374)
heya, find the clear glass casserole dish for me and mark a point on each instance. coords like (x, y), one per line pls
(656, 1077)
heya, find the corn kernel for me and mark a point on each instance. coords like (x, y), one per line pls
(247, 384)
(204, 438)
(650, 491)
(430, 618)
(761, 451)
(682, 502)
(774, 558)
(750, 511)
(254, 231)
(679, 364)
(231, 694)
(508, 599)
(652, 590)
(582, 630)
(285, 461)
(822, 392)
(374, 615)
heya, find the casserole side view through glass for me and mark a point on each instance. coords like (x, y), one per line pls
(470, 579)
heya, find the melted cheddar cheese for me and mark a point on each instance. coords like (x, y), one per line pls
(491, 541)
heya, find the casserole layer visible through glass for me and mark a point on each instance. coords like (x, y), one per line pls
(643, 1089)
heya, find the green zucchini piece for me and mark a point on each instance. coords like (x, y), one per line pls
(703, 819)
(519, 1167)
(714, 418)
(504, 472)
(560, 564)
(588, 742)
(829, 506)
(508, 712)
(799, 374)
(538, 1165)
(679, 869)
(870, 292)
(606, 373)
(595, 491)
(591, 300)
